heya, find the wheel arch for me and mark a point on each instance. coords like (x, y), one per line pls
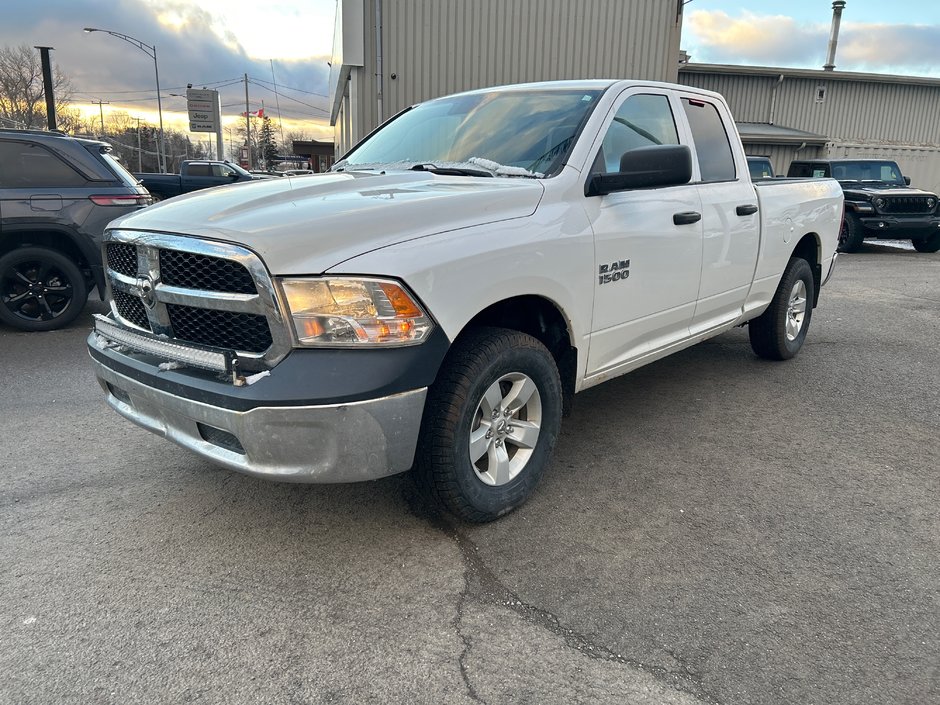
(59, 238)
(545, 321)
(809, 248)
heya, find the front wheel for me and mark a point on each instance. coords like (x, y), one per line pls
(851, 234)
(779, 332)
(490, 423)
(928, 244)
(40, 289)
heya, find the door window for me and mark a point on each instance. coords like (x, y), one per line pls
(715, 159)
(25, 165)
(199, 170)
(642, 121)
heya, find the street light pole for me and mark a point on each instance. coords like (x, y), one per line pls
(151, 51)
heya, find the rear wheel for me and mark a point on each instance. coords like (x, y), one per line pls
(779, 332)
(490, 423)
(851, 235)
(928, 244)
(40, 289)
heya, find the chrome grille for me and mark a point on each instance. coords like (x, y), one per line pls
(122, 258)
(196, 292)
(222, 329)
(131, 309)
(194, 271)
(906, 204)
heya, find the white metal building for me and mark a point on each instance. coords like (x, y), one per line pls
(430, 48)
(791, 114)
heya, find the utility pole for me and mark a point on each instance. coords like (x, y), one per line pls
(47, 84)
(140, 154)
(247, 122)
(100, 104)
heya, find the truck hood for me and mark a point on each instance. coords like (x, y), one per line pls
(307, 224)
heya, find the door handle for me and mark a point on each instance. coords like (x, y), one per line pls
(747, 209)
(686, 218)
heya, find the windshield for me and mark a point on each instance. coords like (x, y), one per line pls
(235, 167)
(510, 133)
(886, 172)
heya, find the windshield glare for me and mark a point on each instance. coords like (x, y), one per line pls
(868, 171)
(525, 129)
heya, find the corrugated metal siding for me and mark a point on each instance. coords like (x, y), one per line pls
(851, 110)
(437, 47)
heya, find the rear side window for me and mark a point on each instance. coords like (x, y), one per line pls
(199, 170)
(24, 165)
(715, 159)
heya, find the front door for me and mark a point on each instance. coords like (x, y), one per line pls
(648, 242)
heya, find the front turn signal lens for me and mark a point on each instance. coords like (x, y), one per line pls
(341, 312)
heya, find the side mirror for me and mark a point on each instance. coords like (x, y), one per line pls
(233, 175)
(645, 167)
(907, 180)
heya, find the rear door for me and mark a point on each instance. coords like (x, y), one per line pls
(730, 218)
(648, 242)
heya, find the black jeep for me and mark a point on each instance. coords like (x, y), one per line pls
(57, 194)
(878, 202)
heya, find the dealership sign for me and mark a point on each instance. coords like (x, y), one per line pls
(205, 110)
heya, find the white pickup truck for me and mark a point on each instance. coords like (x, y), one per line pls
(437, 300)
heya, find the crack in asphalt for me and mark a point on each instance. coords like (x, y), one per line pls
(482, 585)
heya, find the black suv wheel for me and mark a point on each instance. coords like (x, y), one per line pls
(40, 289)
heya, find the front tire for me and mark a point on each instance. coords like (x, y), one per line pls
(779, 332)
(851, 234)
(490, 424)
(928, 244)
(40, 289)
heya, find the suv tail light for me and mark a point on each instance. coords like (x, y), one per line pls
(120, 200)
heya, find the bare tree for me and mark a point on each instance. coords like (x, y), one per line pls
(22, 97)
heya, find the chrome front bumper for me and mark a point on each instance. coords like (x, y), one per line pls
(315, 444)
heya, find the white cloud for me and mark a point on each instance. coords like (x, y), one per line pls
(714, 36)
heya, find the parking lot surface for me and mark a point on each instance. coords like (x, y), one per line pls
(715, 528)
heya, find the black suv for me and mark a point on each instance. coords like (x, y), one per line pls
(57, 194)
(878, 202)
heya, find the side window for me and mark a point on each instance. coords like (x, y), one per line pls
(715, 159)
(642, 121)
(222, 170)
(25, 165)
(199, 170)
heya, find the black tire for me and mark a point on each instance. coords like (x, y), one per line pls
(769, 333)
(928, 244)
(482, 360)
(40, 289)
(851, 234)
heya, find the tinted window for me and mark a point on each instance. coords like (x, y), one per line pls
(715, 159)
(25, 165)
(199, 170)
(642, 121)
(119, 169)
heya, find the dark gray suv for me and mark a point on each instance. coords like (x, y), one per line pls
(57, 194)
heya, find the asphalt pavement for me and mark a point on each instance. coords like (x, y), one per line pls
(715, 528)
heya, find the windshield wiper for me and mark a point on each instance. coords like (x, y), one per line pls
(448, 170)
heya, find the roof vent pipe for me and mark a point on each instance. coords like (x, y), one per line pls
(837, 8)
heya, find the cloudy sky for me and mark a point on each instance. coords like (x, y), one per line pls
(214, 43)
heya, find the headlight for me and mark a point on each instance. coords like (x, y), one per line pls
(879, 203)
(931, 202)
(340, 312)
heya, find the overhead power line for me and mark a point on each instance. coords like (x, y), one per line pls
(287, 97)
(281, 85)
